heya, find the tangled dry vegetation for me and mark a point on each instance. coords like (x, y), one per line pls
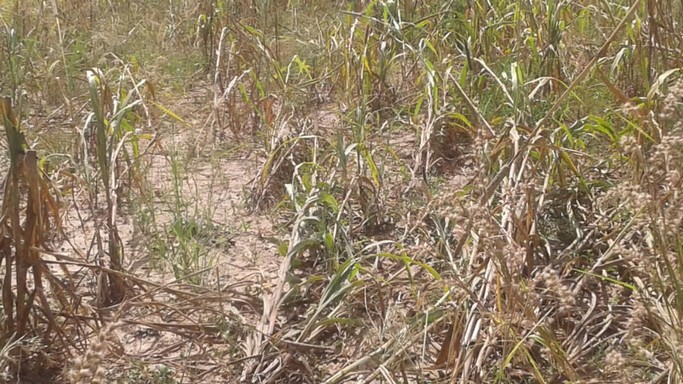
(371, 192)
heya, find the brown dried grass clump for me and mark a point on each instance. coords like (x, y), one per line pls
(451, 144)
(296, 144)
(90, 367)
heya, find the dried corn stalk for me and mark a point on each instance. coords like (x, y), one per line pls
(27, 208)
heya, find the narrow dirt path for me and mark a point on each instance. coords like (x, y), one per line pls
(193, 221)
(209, 187)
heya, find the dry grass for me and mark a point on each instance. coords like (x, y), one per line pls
(275, 192)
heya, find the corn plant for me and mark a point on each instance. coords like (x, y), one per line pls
(29, 214)
(111, 132)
